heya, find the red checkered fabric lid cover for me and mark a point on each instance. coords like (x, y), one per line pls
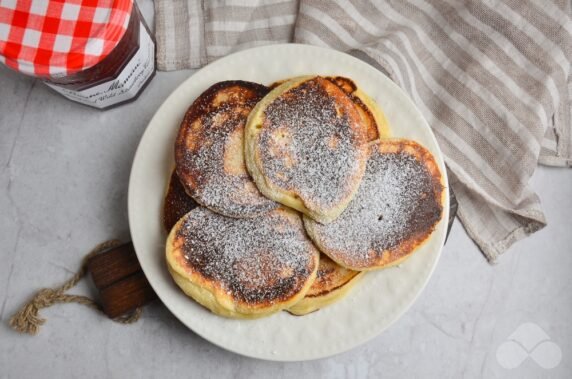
(55, 38)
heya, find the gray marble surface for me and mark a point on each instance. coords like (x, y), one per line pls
(63, 188)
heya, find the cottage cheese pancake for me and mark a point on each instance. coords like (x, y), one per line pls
(209, 150)
(242, 268)
(395, 210)
(306, 147)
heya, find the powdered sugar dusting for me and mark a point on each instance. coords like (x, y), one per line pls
(255, 260)
(209, 136)
(310, 145)
(396, 200)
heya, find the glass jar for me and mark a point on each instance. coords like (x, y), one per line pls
(98, 53)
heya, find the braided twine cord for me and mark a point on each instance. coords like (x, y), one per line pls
(27, 319)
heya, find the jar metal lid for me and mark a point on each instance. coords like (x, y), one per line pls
(55, 38)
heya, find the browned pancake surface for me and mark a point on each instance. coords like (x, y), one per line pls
(209, 151)
(330, 277)
(257, 261)
(349, 87)
(177, 203)
(368, 119)
(399, 202)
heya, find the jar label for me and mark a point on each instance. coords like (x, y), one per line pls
(126, 85)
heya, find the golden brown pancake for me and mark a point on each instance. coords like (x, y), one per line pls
(332, 283)
(177, 203)
(399, 202)
(242, 268)
(209, 150)
(306, 147)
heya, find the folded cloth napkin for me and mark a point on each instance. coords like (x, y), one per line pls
(491, 77)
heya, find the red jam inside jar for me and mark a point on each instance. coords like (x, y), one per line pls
(115, 70)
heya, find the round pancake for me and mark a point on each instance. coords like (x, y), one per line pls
(242, 268)
(177, 203)
(306, 147)
(399, 202)
(209, 150)
(333, 282)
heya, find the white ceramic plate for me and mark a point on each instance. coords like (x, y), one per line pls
(374, 304)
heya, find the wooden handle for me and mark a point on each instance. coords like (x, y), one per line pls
(120, 281)
(125, 295)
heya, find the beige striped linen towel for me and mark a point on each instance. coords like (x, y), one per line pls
(491, 77)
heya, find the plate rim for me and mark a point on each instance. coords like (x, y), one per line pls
(132, 188)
